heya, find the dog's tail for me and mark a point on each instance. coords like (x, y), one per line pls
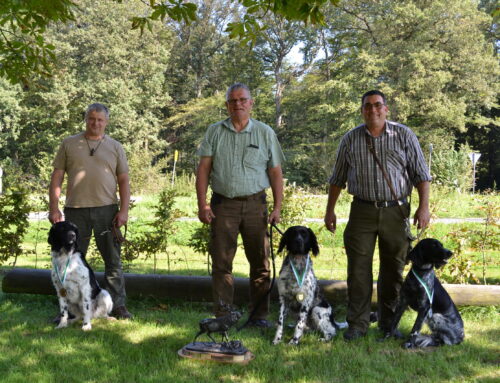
(337, 325)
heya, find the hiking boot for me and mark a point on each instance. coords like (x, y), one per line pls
(353, 334)
(121, 312)
(396, 334)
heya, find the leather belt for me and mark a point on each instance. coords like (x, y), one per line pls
(241, 198)
(382, 204)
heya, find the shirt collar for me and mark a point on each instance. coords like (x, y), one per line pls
(387, 130)
(248, 129)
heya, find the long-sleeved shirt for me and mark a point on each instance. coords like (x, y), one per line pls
(399, 152)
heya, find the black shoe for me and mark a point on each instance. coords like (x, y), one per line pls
(262, 323)
(396, 334)
(121, 312)
(353, 334)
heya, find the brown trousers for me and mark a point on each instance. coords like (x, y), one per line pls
(248, 216)
(366, 224)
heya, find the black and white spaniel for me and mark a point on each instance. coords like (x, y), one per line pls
(77, 289)
(423, 292)
(298, 287)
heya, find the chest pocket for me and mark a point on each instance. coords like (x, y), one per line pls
(253, 158)
(396, 160)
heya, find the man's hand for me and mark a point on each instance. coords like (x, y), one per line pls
(205, 214)
(55, 216)
(274, 217)
(120, 219)
(331, 221)
(422, 217)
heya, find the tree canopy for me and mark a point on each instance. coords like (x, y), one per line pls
(435, 60)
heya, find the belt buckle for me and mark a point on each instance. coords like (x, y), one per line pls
(380, 204)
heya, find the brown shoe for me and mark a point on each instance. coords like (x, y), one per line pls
(121, 312)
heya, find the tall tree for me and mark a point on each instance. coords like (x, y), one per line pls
(98, 61)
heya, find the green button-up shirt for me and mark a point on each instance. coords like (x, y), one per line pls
(240, 159)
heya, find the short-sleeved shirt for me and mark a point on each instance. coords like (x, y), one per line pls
(240, 159)
(399, 152)
(92, 180)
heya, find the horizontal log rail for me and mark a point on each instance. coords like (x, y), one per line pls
(198, 288)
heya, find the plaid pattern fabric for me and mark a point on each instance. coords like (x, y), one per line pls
(240, 159)
(399, 152)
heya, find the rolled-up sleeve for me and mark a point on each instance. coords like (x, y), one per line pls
(341, 167)
(417, 168)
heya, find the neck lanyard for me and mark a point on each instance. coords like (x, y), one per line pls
(426, 288)
(300, 278)
(65, 270)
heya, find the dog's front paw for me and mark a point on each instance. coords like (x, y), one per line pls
(407, 345)
(293, 342)
(62, 325)
(87, 327)
(276, 341)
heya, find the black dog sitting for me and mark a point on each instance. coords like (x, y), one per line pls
(423, 292)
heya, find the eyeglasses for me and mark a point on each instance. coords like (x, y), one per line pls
(377, 105)
(242, 100)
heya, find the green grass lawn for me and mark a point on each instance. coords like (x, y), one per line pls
(145, 349)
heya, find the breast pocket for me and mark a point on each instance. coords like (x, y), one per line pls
(396, 160)
(253, 158)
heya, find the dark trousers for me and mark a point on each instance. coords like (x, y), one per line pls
(248, 217)
(366, 224)
(100, 220)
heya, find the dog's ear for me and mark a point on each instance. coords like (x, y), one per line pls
(284, 239)
(413, 254)
(51, 236)
(314, 242)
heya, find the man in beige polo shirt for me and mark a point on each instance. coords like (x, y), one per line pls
(97, 167)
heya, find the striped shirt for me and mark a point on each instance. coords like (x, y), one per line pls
(240, 159)
(399, 152)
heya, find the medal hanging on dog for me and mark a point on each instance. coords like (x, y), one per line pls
(62, 292)
(300, 279)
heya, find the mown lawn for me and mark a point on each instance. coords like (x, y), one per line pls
(145, 349)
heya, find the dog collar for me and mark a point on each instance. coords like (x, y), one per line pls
(426, 288)
(300, 278)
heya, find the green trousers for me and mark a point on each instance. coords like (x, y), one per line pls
(99, 220)
(366, 224)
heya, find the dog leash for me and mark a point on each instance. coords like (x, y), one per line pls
(271, 225)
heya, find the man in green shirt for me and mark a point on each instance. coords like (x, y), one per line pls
(239, 157)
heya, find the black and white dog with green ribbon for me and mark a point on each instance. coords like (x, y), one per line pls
(80, 296)
(299, 292)
(423, 292)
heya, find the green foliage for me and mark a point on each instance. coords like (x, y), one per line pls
(14, 210)
(200, 241)
(452, 168)
(24, 51)
(156, 234)
(294, 206)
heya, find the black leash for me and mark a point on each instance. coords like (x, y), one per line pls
(272, 280)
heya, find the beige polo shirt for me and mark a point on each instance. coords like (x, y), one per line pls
(92, 180)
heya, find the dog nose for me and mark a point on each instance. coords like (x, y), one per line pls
(71, 236)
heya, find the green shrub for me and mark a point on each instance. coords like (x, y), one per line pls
(14, 210)
(453, 168)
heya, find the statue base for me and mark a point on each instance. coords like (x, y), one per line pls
(225, 352)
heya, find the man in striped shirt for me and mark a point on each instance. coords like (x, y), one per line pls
(375, 212)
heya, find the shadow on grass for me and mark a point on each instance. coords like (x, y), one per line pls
(145, 350)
